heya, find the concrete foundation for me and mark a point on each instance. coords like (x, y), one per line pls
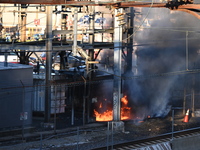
(117, 125)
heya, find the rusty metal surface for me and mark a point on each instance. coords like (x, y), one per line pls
(190, 6)
(190, 12)
(82, 3)
(33, 2)
(116, 4)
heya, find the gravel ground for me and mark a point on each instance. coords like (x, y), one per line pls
(99, 136)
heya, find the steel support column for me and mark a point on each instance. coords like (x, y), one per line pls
(129, 57)
(117, 69)
(48, 63)
(23, 59)
(74, 48)
(89, 88)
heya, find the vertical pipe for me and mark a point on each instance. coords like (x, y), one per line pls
(75, 31)
(112, 136)
(91, 55)
(102, 26)
(186, 50)
(108, 130)
(193, 102)
(36, 19)
(1, 23)
(23, 33)
(84, 100)
(63, 25)
(129, 57)
(55, 108)
(172, 124)
(23, 25)
(48, 63)
(19, 22)
(184, 101)
(72, 98)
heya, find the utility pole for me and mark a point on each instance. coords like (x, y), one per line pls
(48, 63)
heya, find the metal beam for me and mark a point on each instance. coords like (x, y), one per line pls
(42, 48)
(56, 32)
(194, 13)
(115, 4)
(10, 47)
(34, 2)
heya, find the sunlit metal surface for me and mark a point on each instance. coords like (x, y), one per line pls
(114, 4)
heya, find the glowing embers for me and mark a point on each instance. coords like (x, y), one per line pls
(107, 115)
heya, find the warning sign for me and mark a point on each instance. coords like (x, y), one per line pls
(23, 115)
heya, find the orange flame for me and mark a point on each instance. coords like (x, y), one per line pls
(124, 100)
(105, 116)
(108, 114)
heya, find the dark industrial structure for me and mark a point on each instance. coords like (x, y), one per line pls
(16, 96)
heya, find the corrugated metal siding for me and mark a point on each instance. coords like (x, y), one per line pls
(57, 97)
(38, 95)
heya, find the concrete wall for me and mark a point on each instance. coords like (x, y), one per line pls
(186, 143)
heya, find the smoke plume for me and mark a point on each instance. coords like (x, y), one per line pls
(164, 34)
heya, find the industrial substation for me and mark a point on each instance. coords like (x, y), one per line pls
(121, 65)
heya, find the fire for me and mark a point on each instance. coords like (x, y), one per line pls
(108, 114)
(105, 116)
(125, 111)
(124, 100)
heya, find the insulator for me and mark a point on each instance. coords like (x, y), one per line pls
(120, 19)
(119, 14)
(122, 23)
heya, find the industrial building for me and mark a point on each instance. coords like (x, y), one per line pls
(16, 100)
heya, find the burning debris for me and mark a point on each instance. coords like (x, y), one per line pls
(103, 114)
(162, 50)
